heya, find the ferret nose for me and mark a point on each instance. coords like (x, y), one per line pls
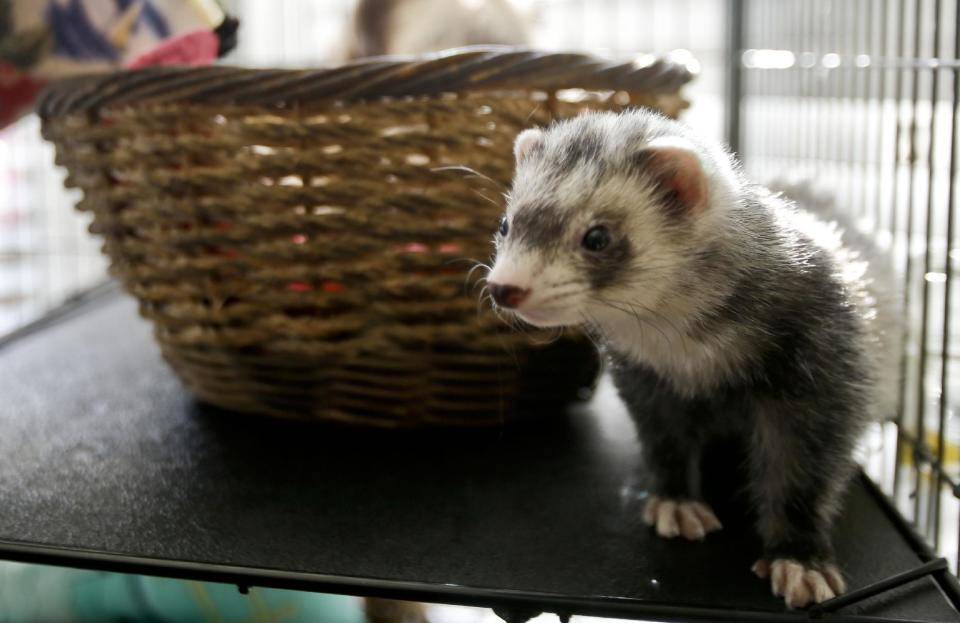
(507, 295)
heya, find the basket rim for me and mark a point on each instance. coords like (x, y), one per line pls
(458, 70)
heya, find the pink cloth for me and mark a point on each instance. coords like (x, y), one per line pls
(195, 48)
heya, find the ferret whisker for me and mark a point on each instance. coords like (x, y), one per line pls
(558, 284)
(632, 312)
(532, 113)
(475, 265)
(681, 334)
(567, 288)
(478, 283)
(508, 318)
(661, 317)
(465, 169)
(491, 201)
(561, 296)
(557, 334)
(484, 298)
(589, 327)
(458, 260)
(560, 333)
(469, 276)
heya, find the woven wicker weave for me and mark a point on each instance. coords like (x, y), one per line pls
(298, 238)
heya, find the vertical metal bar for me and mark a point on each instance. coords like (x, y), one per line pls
(774, 133)
(803, 92)
(828, 103)
(767, 76)
(835, 82)
(759, 94)
(920, 428)
(830, 144)
(928, 251)
(878, 56)
(786, 103)
(849, 77)
(948, 269)
(866, 102)
(794, 92)
(735, 17)
(894, 228)
(913, 73)
(823, 134)
(812, 90)
(880, 214)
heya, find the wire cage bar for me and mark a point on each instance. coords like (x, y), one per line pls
(46, 254)
(859, 98)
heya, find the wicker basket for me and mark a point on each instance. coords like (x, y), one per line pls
(298, 238)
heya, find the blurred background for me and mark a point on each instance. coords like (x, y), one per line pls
(46, 254)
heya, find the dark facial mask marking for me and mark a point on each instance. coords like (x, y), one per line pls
(609, 266)
(538, 227)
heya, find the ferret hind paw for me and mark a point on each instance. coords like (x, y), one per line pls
(799, 584)
(687, 518)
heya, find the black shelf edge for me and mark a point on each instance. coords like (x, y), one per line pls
(503, 600)
(945, 580)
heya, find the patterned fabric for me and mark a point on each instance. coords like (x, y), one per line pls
(41, 40)
(38, 593)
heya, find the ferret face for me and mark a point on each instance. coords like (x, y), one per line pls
(600, 221)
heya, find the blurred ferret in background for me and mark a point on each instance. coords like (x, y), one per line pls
(416, 26)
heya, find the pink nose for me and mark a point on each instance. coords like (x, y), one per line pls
(507, 295)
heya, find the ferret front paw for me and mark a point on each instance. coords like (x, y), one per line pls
(686, 518)
(801, 584)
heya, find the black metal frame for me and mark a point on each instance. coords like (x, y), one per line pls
(513, 606)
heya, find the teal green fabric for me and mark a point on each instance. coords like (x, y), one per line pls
(38, 593)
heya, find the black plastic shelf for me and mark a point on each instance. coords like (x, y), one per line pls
(107, 462)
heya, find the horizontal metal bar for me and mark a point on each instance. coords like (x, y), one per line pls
(855, 596)
(946, 580)
(500, 599)
(838, 62)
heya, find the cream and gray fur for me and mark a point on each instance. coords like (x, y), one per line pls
(418, 26)
(723, 310)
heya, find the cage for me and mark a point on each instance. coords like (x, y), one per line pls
(859, 96)
(861, 99)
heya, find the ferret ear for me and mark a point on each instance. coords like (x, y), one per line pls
(677, 170)
(526, 142)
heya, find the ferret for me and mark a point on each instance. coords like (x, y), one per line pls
(722, 310)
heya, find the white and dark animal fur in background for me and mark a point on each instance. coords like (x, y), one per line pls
(723, 310)
(416, 26)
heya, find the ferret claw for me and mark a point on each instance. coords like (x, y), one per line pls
(798, 584)
(686, 518)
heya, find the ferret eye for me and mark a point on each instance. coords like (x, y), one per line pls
(504, 227)
(596, 239)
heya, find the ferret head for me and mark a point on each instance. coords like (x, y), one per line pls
(606, 213)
